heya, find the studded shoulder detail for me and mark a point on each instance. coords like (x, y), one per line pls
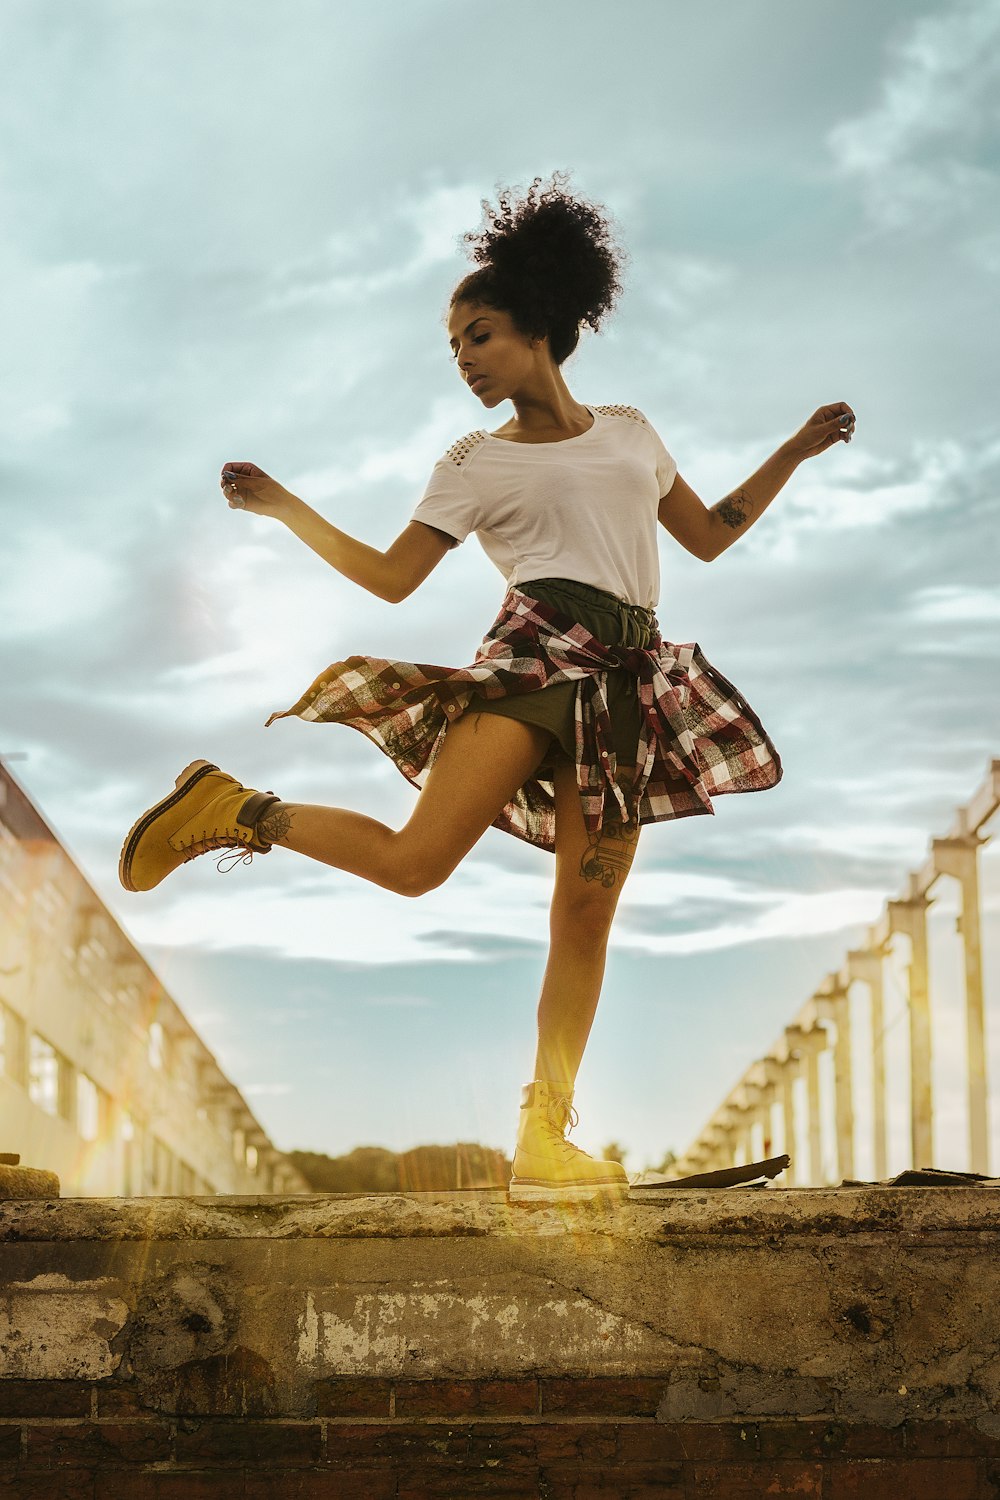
(459, 452)
(620, 411)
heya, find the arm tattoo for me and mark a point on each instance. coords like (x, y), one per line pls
(735, 510)
(611, 851)
(275, 824)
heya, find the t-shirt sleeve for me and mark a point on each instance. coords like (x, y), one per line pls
(449, 501)
(666, 467)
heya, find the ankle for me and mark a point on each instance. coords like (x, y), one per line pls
(274, 823)
(554, 1084)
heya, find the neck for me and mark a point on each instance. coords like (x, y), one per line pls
(552, 410)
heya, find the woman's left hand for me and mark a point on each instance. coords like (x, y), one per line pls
(828, 424)
(248, 488)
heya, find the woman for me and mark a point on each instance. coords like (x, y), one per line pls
(576, 723)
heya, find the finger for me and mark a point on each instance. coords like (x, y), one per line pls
(244, 469)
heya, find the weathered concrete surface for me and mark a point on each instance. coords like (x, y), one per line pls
(861, 1305)
(27, 1182)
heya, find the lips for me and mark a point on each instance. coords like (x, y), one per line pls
(478, 381)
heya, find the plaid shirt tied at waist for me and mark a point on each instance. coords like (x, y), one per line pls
(699, 737)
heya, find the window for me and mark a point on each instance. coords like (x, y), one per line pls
(49, 904)
(43, 1075)
(156, 1045)
(251, 1158)
(13, 1046)
(88, 1108)
(163, 1161)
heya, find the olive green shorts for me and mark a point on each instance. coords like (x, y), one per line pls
(614, 624)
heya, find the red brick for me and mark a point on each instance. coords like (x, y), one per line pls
(97, 1443)
(525, 1443)
(347, 1397)
(749, 1481)
(171, 1484)
(432, 1443)
(903, 1479)
(44, 1398)
(656, 1482)
(813, 1437)
(238, 1441)
(466, 1484)
(121, 1401)
(10, 1442)
(331, 1484)
(945, 1439)
(73, 1484)
(603, 1396)
(649, 1442)
(457, 1398)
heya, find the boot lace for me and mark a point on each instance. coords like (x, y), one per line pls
(237, 852)
(566, 1115)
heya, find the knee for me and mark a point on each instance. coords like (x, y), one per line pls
(585, 919)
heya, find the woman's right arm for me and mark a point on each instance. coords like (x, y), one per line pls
(390, 575)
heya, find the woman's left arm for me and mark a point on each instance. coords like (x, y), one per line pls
(707, 531)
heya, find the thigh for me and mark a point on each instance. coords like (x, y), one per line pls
(590, 868)
(482, 763)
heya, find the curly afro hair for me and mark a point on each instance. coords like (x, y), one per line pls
(549, 260)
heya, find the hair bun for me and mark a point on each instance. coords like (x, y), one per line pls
(549, 259)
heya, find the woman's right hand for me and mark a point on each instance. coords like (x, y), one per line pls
(248, 488)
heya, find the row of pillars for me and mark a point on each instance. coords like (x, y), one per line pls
(727, 1140)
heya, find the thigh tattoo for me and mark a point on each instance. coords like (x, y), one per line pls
(609, 857)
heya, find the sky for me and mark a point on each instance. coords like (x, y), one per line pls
(230, 232)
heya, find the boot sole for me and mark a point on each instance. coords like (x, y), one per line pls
(552, 1192)
(187, 779)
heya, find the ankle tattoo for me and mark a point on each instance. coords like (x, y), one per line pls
(275, 824)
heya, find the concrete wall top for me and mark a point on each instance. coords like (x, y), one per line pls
(768, 1215)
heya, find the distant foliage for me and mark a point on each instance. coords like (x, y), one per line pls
(424, 1169)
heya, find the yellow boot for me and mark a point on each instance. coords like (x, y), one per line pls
(548, 1167)
(206, 810)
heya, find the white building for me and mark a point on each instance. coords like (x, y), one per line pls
(102, 1079)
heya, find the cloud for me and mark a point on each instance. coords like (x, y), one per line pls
(345, 272)
(914, 153)
(946, 604)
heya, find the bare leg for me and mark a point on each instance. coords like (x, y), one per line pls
(583, 909)
(482, 763)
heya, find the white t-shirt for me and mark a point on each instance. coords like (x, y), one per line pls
(582, 508)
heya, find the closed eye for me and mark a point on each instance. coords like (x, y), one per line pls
(480, 340)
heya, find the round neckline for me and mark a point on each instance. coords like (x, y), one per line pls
(551, 442)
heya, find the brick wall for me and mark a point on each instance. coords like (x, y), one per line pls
(374, 1439)
(412, 1347)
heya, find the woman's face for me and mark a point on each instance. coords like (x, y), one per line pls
(493, 357)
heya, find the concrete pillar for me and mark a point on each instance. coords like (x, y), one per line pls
(772, 1082)
(714, 1145)
(865, 964)
(960, 859)
(834, 1005)
(727, 1130)
(755, 1095)
(791, 1067)
(814, 1041)
(910, 917)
